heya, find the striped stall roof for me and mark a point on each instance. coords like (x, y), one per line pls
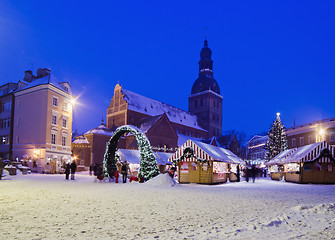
(281, 157)
(206, 152)
(309, 153)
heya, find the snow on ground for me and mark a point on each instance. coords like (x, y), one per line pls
(48, 207)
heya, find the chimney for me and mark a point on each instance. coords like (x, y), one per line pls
(28, 76)
(42, 72)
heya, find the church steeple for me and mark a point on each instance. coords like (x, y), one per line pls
(205, 100)
(206, 62)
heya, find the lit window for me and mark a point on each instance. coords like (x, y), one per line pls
(309, 139)
(4, 140)
(55, 101)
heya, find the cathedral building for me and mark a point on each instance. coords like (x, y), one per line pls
(205, 100)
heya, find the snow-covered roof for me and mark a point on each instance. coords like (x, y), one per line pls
(219, 153)
(183, 138)
(206, 152)
(49, 79)
(139, 103)
(258, 138)
(148, 123)
(133, 156)
(301, 154)
(281, 156)
(304, 151)
(102, 130)
(81, 140)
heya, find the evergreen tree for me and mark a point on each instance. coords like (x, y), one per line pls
(277, 141)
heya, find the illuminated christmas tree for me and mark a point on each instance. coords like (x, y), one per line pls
(277, 141)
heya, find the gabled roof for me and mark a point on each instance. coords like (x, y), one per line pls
(139, 103)
(207, 152)
(183, 138)
(258, 137)
(280, 157)
(308, 153)
(146, 124)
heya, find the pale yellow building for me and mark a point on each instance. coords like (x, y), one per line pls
(42, 122)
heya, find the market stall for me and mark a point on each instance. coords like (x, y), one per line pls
(199, 162)
(275, 165)
(312, 163)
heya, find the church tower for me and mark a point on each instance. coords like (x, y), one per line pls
(205, 100)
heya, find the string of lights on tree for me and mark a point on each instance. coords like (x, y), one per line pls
(277, 141)
(148, 164)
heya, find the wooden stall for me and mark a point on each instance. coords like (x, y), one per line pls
(312, 163)
(199, 162)
(275, 166)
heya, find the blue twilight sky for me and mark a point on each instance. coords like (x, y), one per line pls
(269, 56)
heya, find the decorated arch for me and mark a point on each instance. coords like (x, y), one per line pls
(148, 163)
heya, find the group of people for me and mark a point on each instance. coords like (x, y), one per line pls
(113, 173)
(70, 168)
(253, 172)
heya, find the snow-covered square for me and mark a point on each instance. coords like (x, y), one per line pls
(40, 206)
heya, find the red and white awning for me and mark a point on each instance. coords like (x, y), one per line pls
(310, 153)
(207, 152)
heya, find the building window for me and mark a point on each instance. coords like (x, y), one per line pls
(54, 119)
(55, 101)
(5, 123)
(53, 138)
(6, 106)
(201, 102)
(64, 122)
(17, 139)
(4, 140)
(195, 103)
(332, 136)
(293, 142)
(301, 141)
(309, 139)
(63, 141)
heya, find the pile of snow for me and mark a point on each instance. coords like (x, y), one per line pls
(162, 180)
(321, 208)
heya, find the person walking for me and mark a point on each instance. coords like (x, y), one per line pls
(73, 169)
(238, 172)
(67, 171)
(253, 172)
(124, 171)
